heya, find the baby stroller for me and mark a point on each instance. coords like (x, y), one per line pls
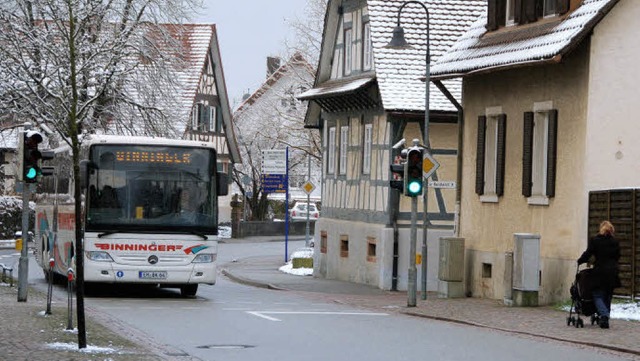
(581, 298)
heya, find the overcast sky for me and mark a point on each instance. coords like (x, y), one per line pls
(248, 32)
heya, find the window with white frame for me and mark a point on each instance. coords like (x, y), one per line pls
(550, 8)
(511, 12)
(344, 143)
(539, 153)
(367, 49)
(348, 51)
(331, 151)
(366, 156)
(490, 159)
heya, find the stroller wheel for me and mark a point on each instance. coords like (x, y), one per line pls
(580, 323)
(594, 318)
(568, 321)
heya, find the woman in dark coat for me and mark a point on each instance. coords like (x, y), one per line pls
(606, 251)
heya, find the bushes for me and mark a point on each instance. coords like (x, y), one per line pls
(11, 216)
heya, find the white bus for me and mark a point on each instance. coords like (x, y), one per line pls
(150, 214)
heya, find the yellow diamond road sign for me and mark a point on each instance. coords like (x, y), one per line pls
(308, 187)
(429, 165)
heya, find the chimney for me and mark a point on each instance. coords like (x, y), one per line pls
(273, 63)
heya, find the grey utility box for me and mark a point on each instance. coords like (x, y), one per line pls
(526, 269)
(451, 268)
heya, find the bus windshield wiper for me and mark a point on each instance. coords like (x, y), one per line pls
(199, 235)
(106, 233)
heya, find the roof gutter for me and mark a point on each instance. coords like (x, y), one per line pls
(553, 60)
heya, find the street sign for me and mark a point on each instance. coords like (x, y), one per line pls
(308, 187)
(274, 183)
(274, 161)
(429, 165)
(442, 184)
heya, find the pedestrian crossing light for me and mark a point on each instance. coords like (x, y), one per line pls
(413, 173)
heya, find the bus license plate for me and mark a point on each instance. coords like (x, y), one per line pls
(152, 275)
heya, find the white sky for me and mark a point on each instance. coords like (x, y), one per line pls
(248, 32)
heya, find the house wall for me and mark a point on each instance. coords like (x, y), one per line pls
(356, 207)
(488, 228)
(612, 127)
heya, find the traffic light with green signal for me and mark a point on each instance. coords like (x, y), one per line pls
(413, 172)
(30, 157)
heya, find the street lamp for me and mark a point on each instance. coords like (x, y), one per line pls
(398, 41)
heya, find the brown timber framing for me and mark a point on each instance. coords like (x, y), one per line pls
(622, 208)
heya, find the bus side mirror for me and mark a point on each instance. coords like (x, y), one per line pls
(222, 183)
(85, 167)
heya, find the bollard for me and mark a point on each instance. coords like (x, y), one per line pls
(70, 278)
(52, 263)
(4, 274)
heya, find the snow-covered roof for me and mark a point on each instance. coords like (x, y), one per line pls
(400, 73)
(297, 60)
(338, 86)
(542, 41)
(9, 138)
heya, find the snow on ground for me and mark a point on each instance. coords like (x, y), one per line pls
(89, 349)
(304, 252)
(224, 232)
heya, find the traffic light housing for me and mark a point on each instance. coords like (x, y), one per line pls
(413, 184)
(30, 169)
(397, 172)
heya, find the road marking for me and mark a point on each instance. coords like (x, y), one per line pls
(264, 314)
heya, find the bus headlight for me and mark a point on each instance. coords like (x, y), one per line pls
(204, 258)
(99, 256)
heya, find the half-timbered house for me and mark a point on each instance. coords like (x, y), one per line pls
(195, 102)
(365, 99)
(549, 99)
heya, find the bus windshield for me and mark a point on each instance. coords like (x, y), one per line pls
(151, 188)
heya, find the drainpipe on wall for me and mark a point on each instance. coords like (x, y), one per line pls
(456, 219)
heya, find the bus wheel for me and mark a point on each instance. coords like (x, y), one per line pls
(189, 290)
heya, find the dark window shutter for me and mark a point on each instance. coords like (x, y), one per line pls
(501, 153)
(552, 151)
(200, 109)
(529, 11)
(501, 14)
(562, 6)
(527, 154)
(539, 5)
(492, 21)
(518, 17)
(482, 129)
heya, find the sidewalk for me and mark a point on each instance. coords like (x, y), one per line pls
(26, 333)
(545, 322)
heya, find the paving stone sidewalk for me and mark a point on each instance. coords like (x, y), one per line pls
(26, 333)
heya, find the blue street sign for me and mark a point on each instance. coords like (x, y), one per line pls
(274, 183)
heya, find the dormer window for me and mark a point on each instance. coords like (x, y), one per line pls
(516, 12)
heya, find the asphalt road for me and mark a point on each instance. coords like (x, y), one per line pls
(229, 322)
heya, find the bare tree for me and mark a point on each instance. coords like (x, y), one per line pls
(272, 118)
(276, 118)
(72, 66)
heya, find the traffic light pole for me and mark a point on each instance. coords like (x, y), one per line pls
(23, 265)
(413, 272)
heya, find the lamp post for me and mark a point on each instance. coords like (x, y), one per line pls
(399, 42)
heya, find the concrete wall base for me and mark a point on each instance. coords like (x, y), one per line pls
(450, 289)
(525, 298)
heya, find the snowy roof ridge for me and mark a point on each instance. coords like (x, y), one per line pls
(542, 41)
(400, 73)
(296, 59)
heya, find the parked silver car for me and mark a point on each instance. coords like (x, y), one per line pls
(299, 212)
